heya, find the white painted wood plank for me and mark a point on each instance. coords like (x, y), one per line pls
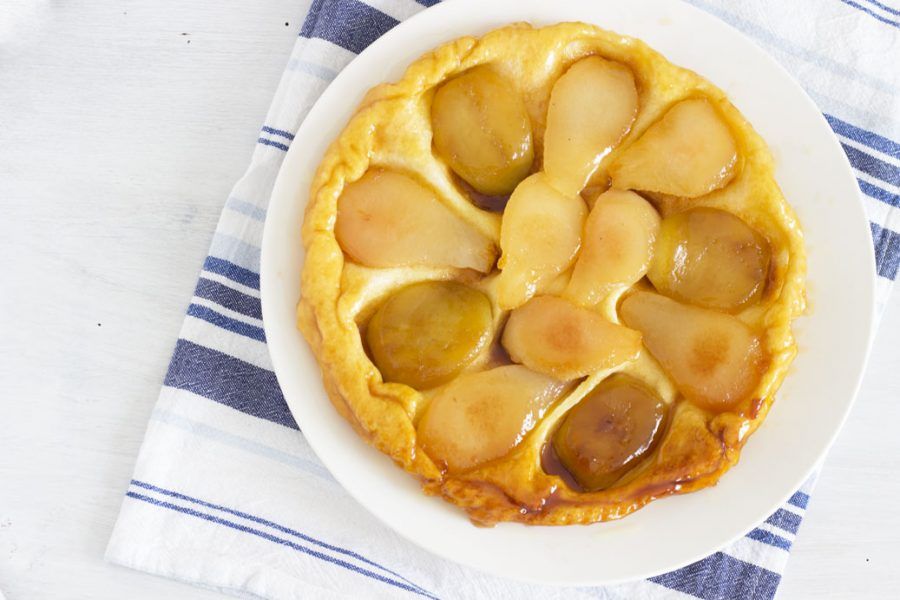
(120, 139)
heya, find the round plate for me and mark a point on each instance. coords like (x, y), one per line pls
(833, 338)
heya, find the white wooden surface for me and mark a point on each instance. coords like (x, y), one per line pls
(122, 127)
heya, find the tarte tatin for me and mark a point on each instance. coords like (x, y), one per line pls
(551, 275)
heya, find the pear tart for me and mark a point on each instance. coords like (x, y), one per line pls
(551, 275)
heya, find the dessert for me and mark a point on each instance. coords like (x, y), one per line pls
(551, 275)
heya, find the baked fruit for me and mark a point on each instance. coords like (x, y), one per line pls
(689, 152)
(481, 129)
(551, 275)
(592, 107)
(607, 433)
(551, 335)
(427, 333)
(710, 257)
(618, 243)
(539, 239)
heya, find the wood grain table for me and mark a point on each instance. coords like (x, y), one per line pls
(122, 128)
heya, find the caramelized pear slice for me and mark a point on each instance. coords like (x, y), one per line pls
(617, 246)
(592, 107)
(711, 258)
(609, 431)
(555, 337)
(689, 152)
(539, 238)
(715, 360)
(482, 416)
(481, 129)
(388, 219)
(426, 333)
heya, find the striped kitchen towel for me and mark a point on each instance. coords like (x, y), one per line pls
(227, 494)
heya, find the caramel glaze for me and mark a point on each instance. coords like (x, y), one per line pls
(555, 498)
(756, 406)
(497, 356)
(646, 494)
(494, 204)
(492, 494)
(553, 466)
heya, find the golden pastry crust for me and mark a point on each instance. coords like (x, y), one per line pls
(392, 129)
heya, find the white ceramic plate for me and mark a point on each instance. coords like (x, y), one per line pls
(811, 406)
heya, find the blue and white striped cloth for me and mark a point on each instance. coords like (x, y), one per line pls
(227, 494)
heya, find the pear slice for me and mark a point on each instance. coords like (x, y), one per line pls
(689, 152)
(609, 431)
(482, 416)
(555, 337)
(388, 219)
(539, 238)
(482, 130)
(710, 257)
(617, 247)
(592, 107)
(428, 332)
(715, 360)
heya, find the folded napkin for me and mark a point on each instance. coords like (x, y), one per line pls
(226, 492)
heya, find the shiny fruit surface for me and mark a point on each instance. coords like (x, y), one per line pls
(482, 416)
(389, 219)
(618, 243)
(426, 333)
(710, 258)
(482, 130)
(592, 107)
(715, 359)
(689, 152)
(539, 238)
(554, 336)
(609, 431)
